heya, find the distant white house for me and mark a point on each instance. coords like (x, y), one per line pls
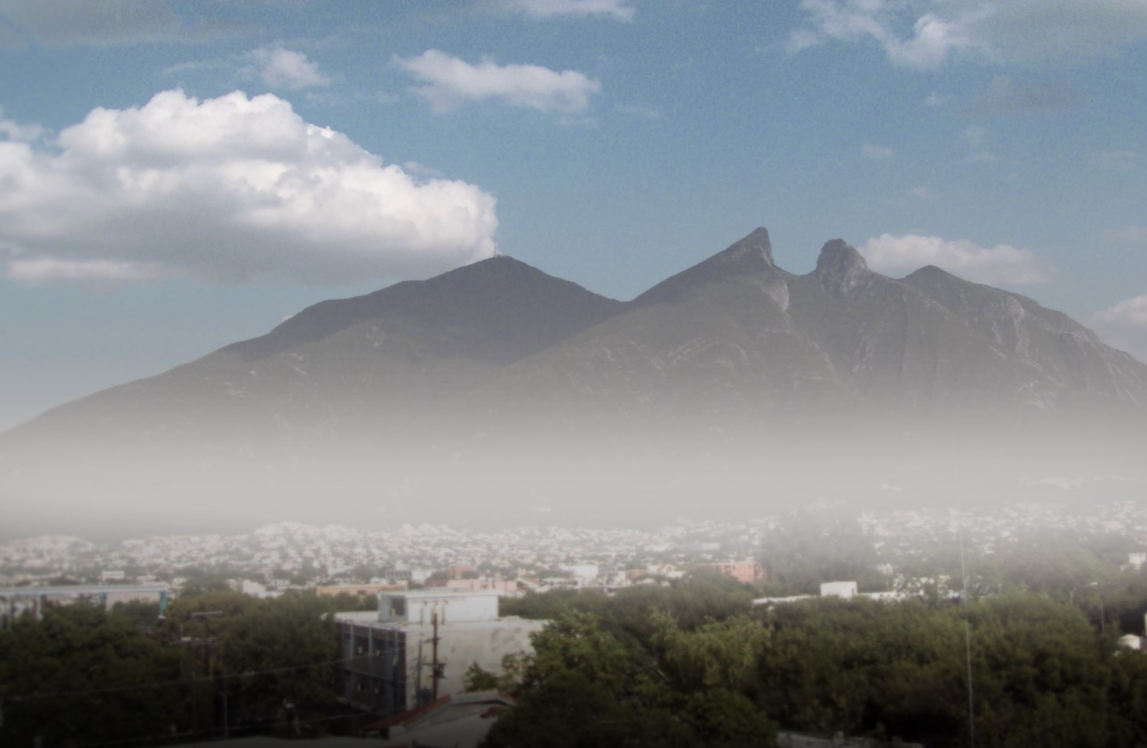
(1131, 641)
(843, 590)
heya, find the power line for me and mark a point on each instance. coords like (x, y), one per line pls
(160, 684)
(207, 732)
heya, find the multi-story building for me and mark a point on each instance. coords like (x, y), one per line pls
(419, 645)
(742, 571)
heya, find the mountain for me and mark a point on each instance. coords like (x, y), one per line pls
(496, 385)
(735, 334)
(412, 346)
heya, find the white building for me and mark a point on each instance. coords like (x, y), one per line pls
(390, 657)
(843, 590)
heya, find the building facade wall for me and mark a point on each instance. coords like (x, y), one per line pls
(451, 607)
(374, 667)
(388, 659)
(459, 647)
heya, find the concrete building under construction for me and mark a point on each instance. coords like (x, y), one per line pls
(419, 644)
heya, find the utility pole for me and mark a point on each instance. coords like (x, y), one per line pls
(194, 693)
(208, 643)
(435, 668)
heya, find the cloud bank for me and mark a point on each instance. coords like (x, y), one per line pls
(1001, 264)
(618, 9)
(448, 82)
(1124, 325)
(98, 22)
(282, 68)
(232, 189)
(929, 33)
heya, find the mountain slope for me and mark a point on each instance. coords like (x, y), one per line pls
(716, 337)
(735, 335)
(413, 346)
(1068, 360)
(494, 388)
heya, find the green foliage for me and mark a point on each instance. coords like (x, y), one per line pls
(289, 645)
(83, 676)
(716, 654)
(1051, 563)
(1041, 674)
(701, 596)
(478, 679)
(75, 677)
(808, 549)
(344, 601)
(584, 687)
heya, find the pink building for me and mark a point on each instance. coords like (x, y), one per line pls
(742, 571)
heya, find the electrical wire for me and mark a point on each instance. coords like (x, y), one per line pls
(161, 684)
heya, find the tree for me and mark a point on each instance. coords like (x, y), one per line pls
(583, 686)
(86, 676)
(285, 648)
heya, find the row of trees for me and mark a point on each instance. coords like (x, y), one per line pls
(86, 676)
(648, 667)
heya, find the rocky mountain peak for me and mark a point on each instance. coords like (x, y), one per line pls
(754, 245)
(840, 267)
(748, 256)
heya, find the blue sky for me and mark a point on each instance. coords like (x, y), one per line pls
(178, 175)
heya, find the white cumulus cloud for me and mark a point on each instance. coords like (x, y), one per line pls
(1124, 326)
(448, 82)
(619, 9)
(12, 130)
(284, 68)
(901, 255)
(928, 33)
(232, 188)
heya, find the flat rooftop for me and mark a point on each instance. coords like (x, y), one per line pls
(371, 620)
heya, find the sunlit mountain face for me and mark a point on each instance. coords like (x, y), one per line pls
(493, 391)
